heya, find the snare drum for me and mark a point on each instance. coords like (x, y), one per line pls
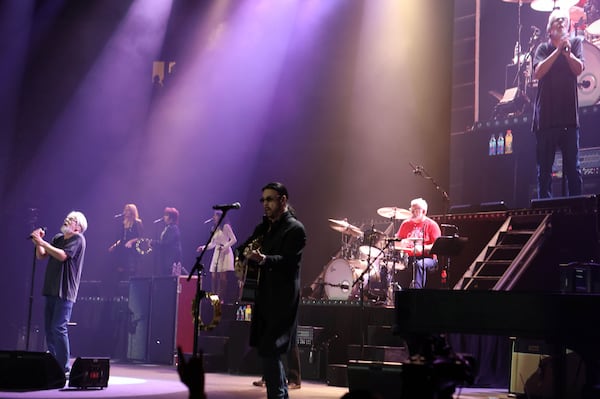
(339, 277)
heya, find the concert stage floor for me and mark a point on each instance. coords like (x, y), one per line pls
(152, 381)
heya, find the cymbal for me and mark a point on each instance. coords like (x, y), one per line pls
(345, 228)
(549, 5)
(392, 212)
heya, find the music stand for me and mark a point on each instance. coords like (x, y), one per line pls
(448, 246)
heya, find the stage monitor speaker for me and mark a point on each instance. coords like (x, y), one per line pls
(382, 378)
(23, 371)
(89, 372)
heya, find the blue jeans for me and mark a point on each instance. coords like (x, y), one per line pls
(275, 379)
(567, 140)
(57, 314)
(421, 266)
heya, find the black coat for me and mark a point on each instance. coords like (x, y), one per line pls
(275, 311)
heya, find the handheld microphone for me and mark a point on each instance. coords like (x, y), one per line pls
(208, 221)
(158, 220)
(31, 236)
(118, 215)
(226, 207)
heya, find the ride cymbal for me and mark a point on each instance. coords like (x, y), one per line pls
(549, 5)
(392, 212)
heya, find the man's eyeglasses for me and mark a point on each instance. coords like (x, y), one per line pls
(269, 199)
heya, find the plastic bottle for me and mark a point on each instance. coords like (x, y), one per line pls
(492, 146)
(500, 144)
(508, 139)
(248, 313)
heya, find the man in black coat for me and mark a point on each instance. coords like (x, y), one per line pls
(274, 316)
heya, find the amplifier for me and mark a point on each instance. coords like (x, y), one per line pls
(589, 158)
(580, 277)
(308, 335)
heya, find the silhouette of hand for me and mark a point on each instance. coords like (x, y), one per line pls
(191, 373)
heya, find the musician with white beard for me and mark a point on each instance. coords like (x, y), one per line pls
(65, 255)
(557, 63)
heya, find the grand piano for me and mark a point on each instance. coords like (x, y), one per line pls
(562, 320)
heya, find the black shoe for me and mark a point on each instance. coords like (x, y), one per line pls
(259, 383)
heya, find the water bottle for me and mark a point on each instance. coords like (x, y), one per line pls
(248, 313)
(500, 144)
(492, 146)
(508, 139)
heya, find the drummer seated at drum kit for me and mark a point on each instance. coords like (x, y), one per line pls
(415, 234)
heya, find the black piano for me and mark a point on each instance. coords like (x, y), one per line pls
(562, 320)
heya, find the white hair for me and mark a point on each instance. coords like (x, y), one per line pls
(420, 202)
(81, 220)
(556, 14)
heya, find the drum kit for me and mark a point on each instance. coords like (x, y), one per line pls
(585, 21)
(367, 257)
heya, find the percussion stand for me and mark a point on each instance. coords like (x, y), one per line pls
(199, 270)
(370, 262)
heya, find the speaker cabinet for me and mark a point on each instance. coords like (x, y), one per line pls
(382, 378)
(161, 318)
(90, 373)
(21, 370)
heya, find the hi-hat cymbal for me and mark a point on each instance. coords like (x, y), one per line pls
(392, 212)
(549, 5)
(345, 228)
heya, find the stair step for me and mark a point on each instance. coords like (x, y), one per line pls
(491, 268)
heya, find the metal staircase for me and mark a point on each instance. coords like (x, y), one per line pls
(507, 254)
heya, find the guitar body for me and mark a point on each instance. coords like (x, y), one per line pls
(250, 282)
(248, 273)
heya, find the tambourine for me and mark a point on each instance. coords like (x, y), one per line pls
(216, 304)
(143, 246)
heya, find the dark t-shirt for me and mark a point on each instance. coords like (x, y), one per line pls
(556, 103)
(62, 278)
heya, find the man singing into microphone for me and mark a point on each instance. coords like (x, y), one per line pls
(557, 63)
(61, 282)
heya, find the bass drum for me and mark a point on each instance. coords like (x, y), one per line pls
(588, 83)
(339, 277)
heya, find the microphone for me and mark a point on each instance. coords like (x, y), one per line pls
(43, 228)
(226, 207)
(208, 221)
(418, 170)
(535, 29)
(118, 215)
(158, 220)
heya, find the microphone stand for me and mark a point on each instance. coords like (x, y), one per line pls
(29, 311)
(200, 293)
(419, 170)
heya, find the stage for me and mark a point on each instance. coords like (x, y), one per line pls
(152, 381)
